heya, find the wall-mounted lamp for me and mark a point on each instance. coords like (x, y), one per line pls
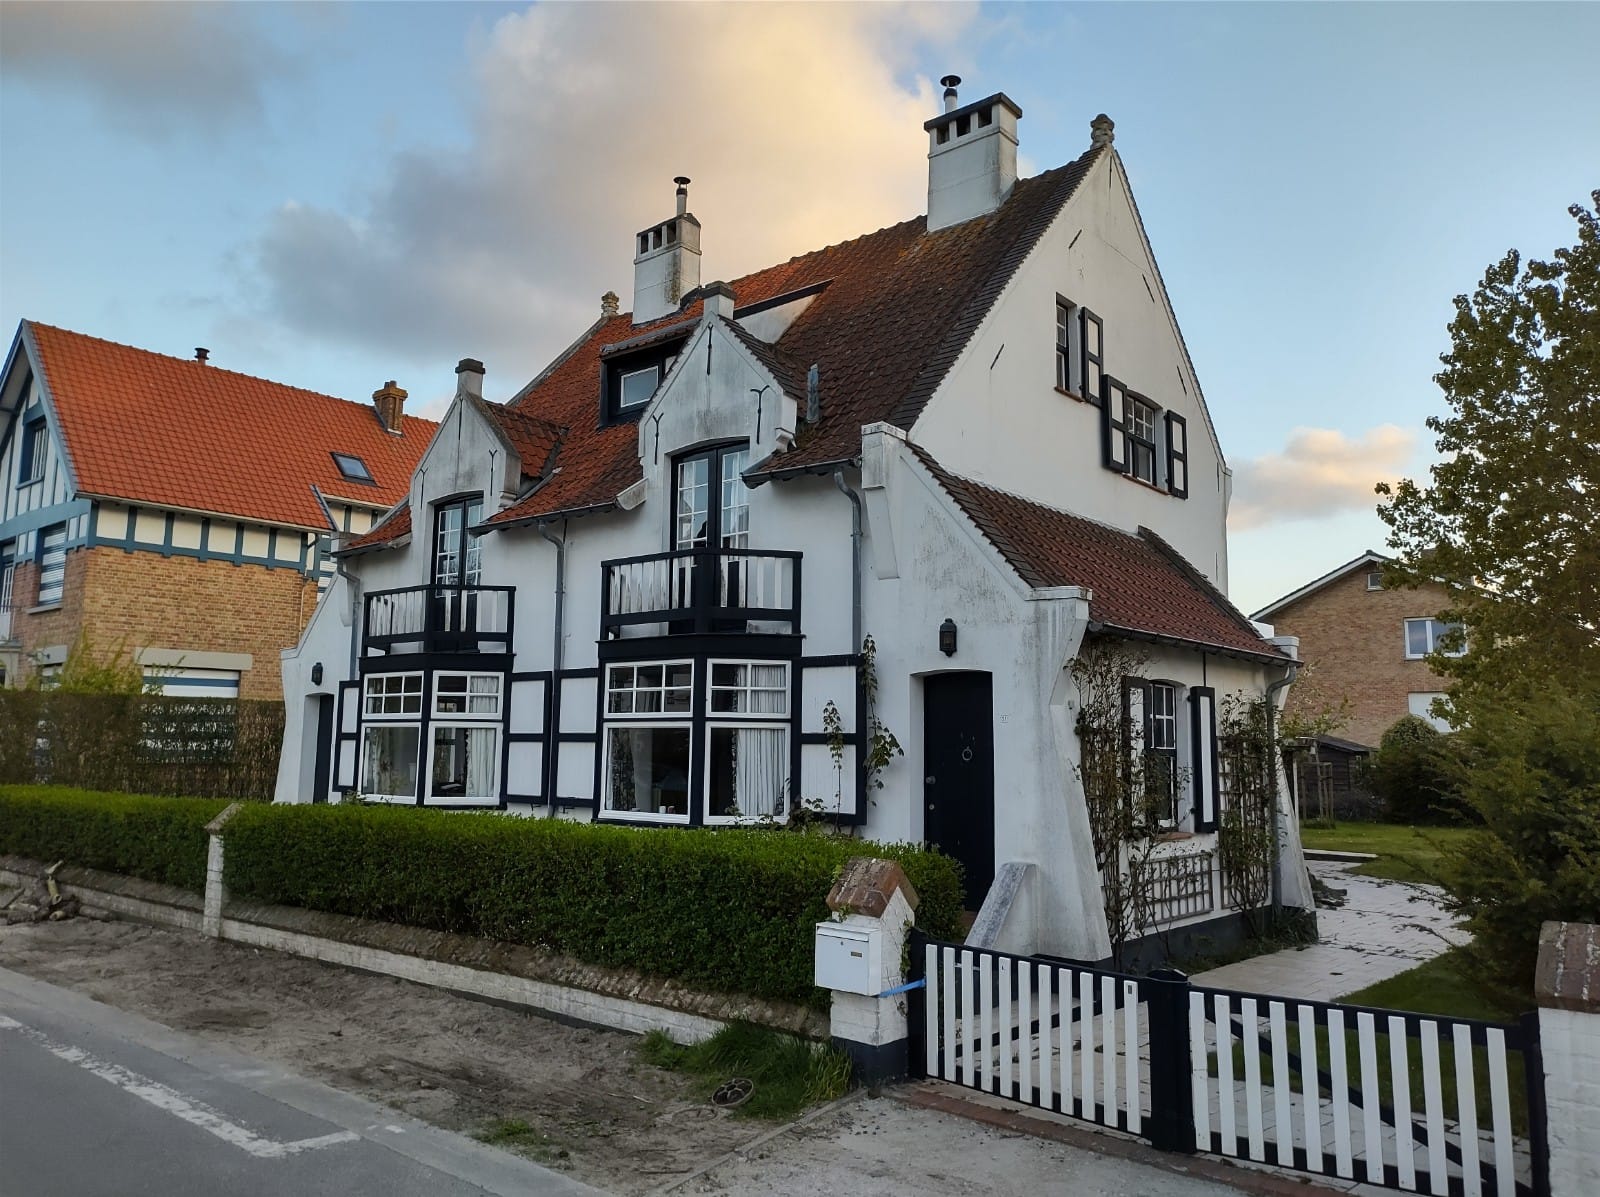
(947, 637)
(316, 674)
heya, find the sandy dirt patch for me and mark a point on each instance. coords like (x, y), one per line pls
(592, 1107)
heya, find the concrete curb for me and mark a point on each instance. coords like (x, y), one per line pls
(1348, 857)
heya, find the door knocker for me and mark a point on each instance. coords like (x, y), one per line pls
(966, 754)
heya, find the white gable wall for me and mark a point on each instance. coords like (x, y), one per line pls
(997, 416)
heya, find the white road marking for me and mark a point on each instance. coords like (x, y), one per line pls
(174, 1103)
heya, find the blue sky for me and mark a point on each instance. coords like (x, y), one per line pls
(335, 195)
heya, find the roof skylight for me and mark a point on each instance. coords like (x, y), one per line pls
(353, 468)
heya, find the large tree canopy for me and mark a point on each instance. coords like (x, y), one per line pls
(1510, 521)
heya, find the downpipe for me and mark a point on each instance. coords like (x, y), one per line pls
(855, 558)
(1290, 673)
(553, 699)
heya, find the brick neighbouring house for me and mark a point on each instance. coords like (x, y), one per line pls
(184, 512)
(1365, 643)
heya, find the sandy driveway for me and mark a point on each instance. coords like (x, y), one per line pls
(596, 1110)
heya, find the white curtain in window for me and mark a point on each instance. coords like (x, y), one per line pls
(482, 749)
(761, 762)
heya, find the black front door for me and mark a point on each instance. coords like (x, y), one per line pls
(958, 774)
(322, 772)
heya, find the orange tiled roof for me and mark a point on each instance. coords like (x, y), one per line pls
(1139, 584)
(146, 428)
(392, 528)
(898, 307)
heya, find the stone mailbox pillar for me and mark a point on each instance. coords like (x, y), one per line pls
(216, 894)
(860, 957)
(1567, 987)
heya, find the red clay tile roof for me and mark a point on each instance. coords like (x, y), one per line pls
(900, 306)
(147, 428)
(389, 530)
(535, 440)
(1138, 584)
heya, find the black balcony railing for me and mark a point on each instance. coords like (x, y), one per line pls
(702, 590)
(439, 619)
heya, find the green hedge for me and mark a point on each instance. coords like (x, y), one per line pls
(158, 839)
(728, 910)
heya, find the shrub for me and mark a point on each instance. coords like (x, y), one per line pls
(1416, 774)
(1535, 783)
(157, 839)
(730, 910)
(140, 743)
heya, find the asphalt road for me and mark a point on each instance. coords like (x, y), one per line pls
(95, 1101)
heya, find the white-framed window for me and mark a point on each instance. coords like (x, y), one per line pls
(464, 762)
(1161, 749)
(1141, 422)
(389, 757)
(1424, 635)
(747, 741)
(648, 729)
(392, 696)
(1421, 703)
(637, 387)
(1069, 359)
(466, 695)
(52, 564)
(1375, 580)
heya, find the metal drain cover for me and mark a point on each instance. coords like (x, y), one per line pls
(733, 1092)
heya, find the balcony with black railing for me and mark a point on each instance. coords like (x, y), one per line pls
(695, 591)
(439, 619)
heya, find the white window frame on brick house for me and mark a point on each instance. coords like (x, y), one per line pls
(1431, 632)
(52, 565)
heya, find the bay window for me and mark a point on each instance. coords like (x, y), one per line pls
(464, 738)
(722, 759)
(391, 742)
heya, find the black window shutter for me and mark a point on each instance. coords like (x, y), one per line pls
(1114, 426)
(1203, 765)
(1177, 456)
(1092, 349)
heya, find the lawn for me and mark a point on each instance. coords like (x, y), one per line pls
(1404, 853)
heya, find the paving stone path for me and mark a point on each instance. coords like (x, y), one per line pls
(1383, 929)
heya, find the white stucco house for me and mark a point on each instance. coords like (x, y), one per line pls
(637, 590)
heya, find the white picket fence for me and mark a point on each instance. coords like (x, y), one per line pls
(1409, 1101)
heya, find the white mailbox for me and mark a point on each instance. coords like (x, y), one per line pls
(849, 959)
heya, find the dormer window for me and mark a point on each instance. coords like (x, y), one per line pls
(631, 377)
(353, 468)
(637, 386)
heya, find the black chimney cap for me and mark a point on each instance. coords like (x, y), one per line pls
(201, 354)
(469, 365)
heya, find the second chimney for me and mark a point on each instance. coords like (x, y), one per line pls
(666, 264)
(972, 157)
(390, 402)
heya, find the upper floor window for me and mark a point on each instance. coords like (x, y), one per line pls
(353, 468)
(35, 449)
(1080, 350)
(52, 564)
(637, 386)
(1141, 424)
(1424, 636)
(1375, 580)
(457, 550)
(711, 505)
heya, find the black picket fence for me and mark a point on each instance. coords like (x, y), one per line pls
(141, 744)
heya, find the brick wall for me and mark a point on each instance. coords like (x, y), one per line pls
(1353, 639)
(145, 600)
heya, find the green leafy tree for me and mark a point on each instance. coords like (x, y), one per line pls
(1510, 525)
(1511, 521)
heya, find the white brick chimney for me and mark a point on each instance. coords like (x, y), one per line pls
(666, 262)
(972, 157)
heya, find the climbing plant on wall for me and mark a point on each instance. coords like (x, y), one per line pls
(1246, 840)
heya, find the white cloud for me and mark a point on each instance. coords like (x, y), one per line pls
(1320, 472)
(158, 69)
(797, 123)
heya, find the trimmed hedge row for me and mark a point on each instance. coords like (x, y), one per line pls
(157, 839)
(728, 910)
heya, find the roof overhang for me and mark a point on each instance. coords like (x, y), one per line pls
(1265, 657)
(1370, 557)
